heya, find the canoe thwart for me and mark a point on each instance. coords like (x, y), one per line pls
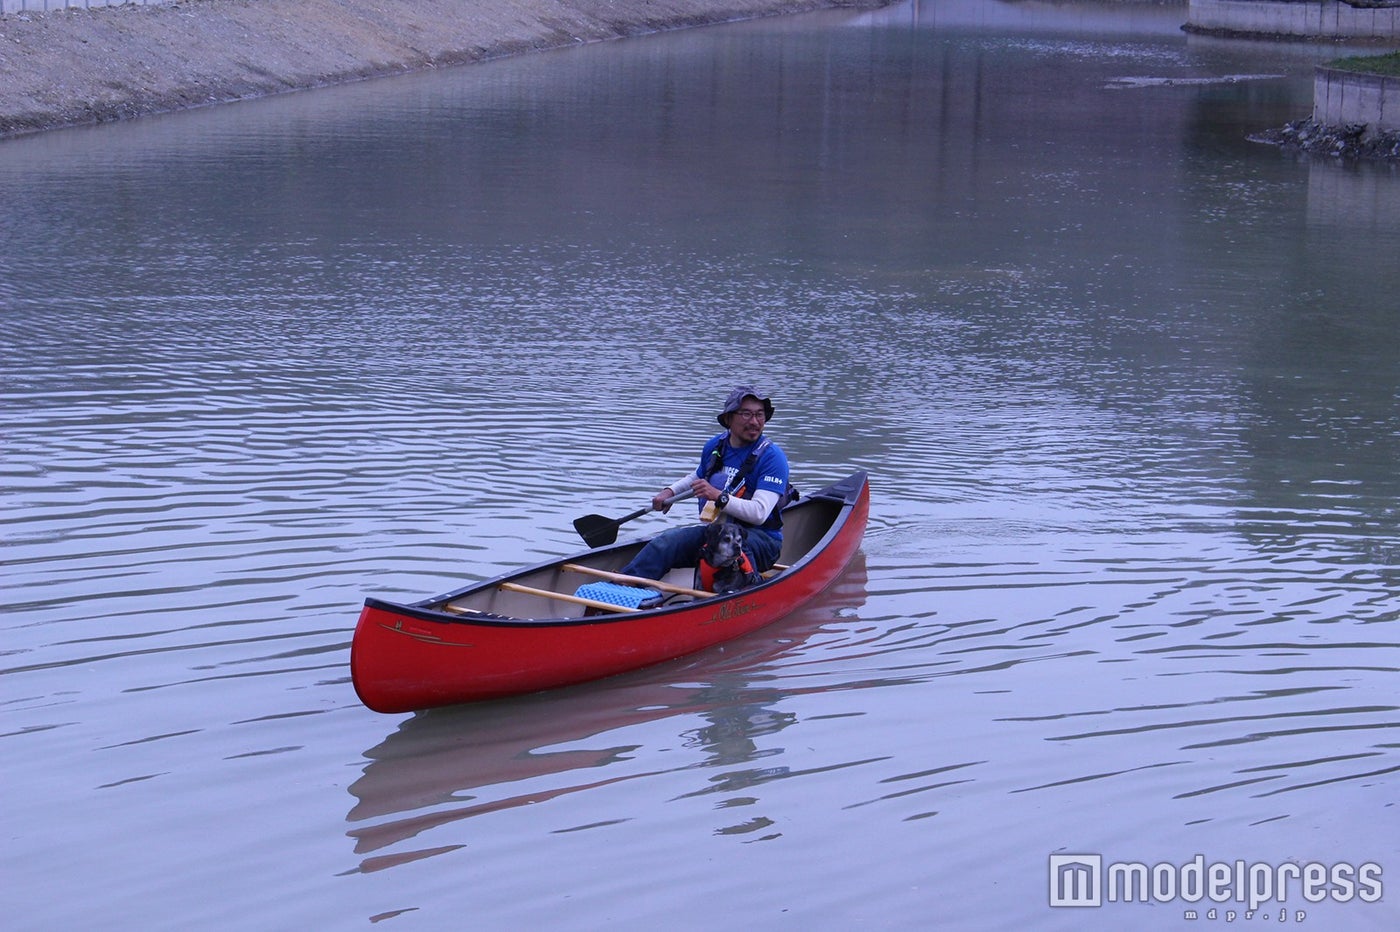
(636, 580)
(565, 597)
(473, 613)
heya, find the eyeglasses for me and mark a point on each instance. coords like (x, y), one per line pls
(746, 414)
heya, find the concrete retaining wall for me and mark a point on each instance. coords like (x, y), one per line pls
(46, 6)
(1342, 97)
(1306, 18)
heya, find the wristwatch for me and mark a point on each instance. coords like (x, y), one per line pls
(722, 500)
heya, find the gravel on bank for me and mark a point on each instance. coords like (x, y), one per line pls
(71, 67)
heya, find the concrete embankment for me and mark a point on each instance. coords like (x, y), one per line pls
(70, 67)
(1343, 98)
(1355, 116)
(1315, 19)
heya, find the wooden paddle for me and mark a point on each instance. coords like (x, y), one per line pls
(600, 530)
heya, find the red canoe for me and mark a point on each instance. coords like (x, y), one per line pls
(532, 629)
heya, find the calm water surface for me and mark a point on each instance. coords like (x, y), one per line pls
(1126, 384)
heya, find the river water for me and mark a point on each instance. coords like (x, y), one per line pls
(1126, 384)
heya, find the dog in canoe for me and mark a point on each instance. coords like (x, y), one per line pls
(724, 566)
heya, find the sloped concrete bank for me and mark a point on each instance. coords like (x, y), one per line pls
(71, 67)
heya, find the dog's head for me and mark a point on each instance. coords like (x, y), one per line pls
(724, 543)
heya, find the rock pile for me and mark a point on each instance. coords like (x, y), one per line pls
(1344, 142)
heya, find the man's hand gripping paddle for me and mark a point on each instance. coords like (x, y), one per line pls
(599, 530)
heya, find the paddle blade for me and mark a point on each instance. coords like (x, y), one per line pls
(596, 530)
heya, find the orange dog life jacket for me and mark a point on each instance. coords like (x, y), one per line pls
(707, 572)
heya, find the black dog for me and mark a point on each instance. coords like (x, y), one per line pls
(724, 567)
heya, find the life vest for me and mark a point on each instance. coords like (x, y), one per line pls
(707, 572)
(775, 517)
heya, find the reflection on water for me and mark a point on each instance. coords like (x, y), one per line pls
(446, 765)
(1348, 203)
(1125, 383)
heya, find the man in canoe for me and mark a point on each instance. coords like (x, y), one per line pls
(742, 477)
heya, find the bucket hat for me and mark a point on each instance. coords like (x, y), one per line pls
(736, 398)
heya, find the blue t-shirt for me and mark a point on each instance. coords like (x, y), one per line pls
(769, 472)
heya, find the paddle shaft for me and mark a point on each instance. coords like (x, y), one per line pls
(597, 530)
(678, 497)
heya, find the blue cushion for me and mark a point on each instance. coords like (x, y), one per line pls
(614, 594)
